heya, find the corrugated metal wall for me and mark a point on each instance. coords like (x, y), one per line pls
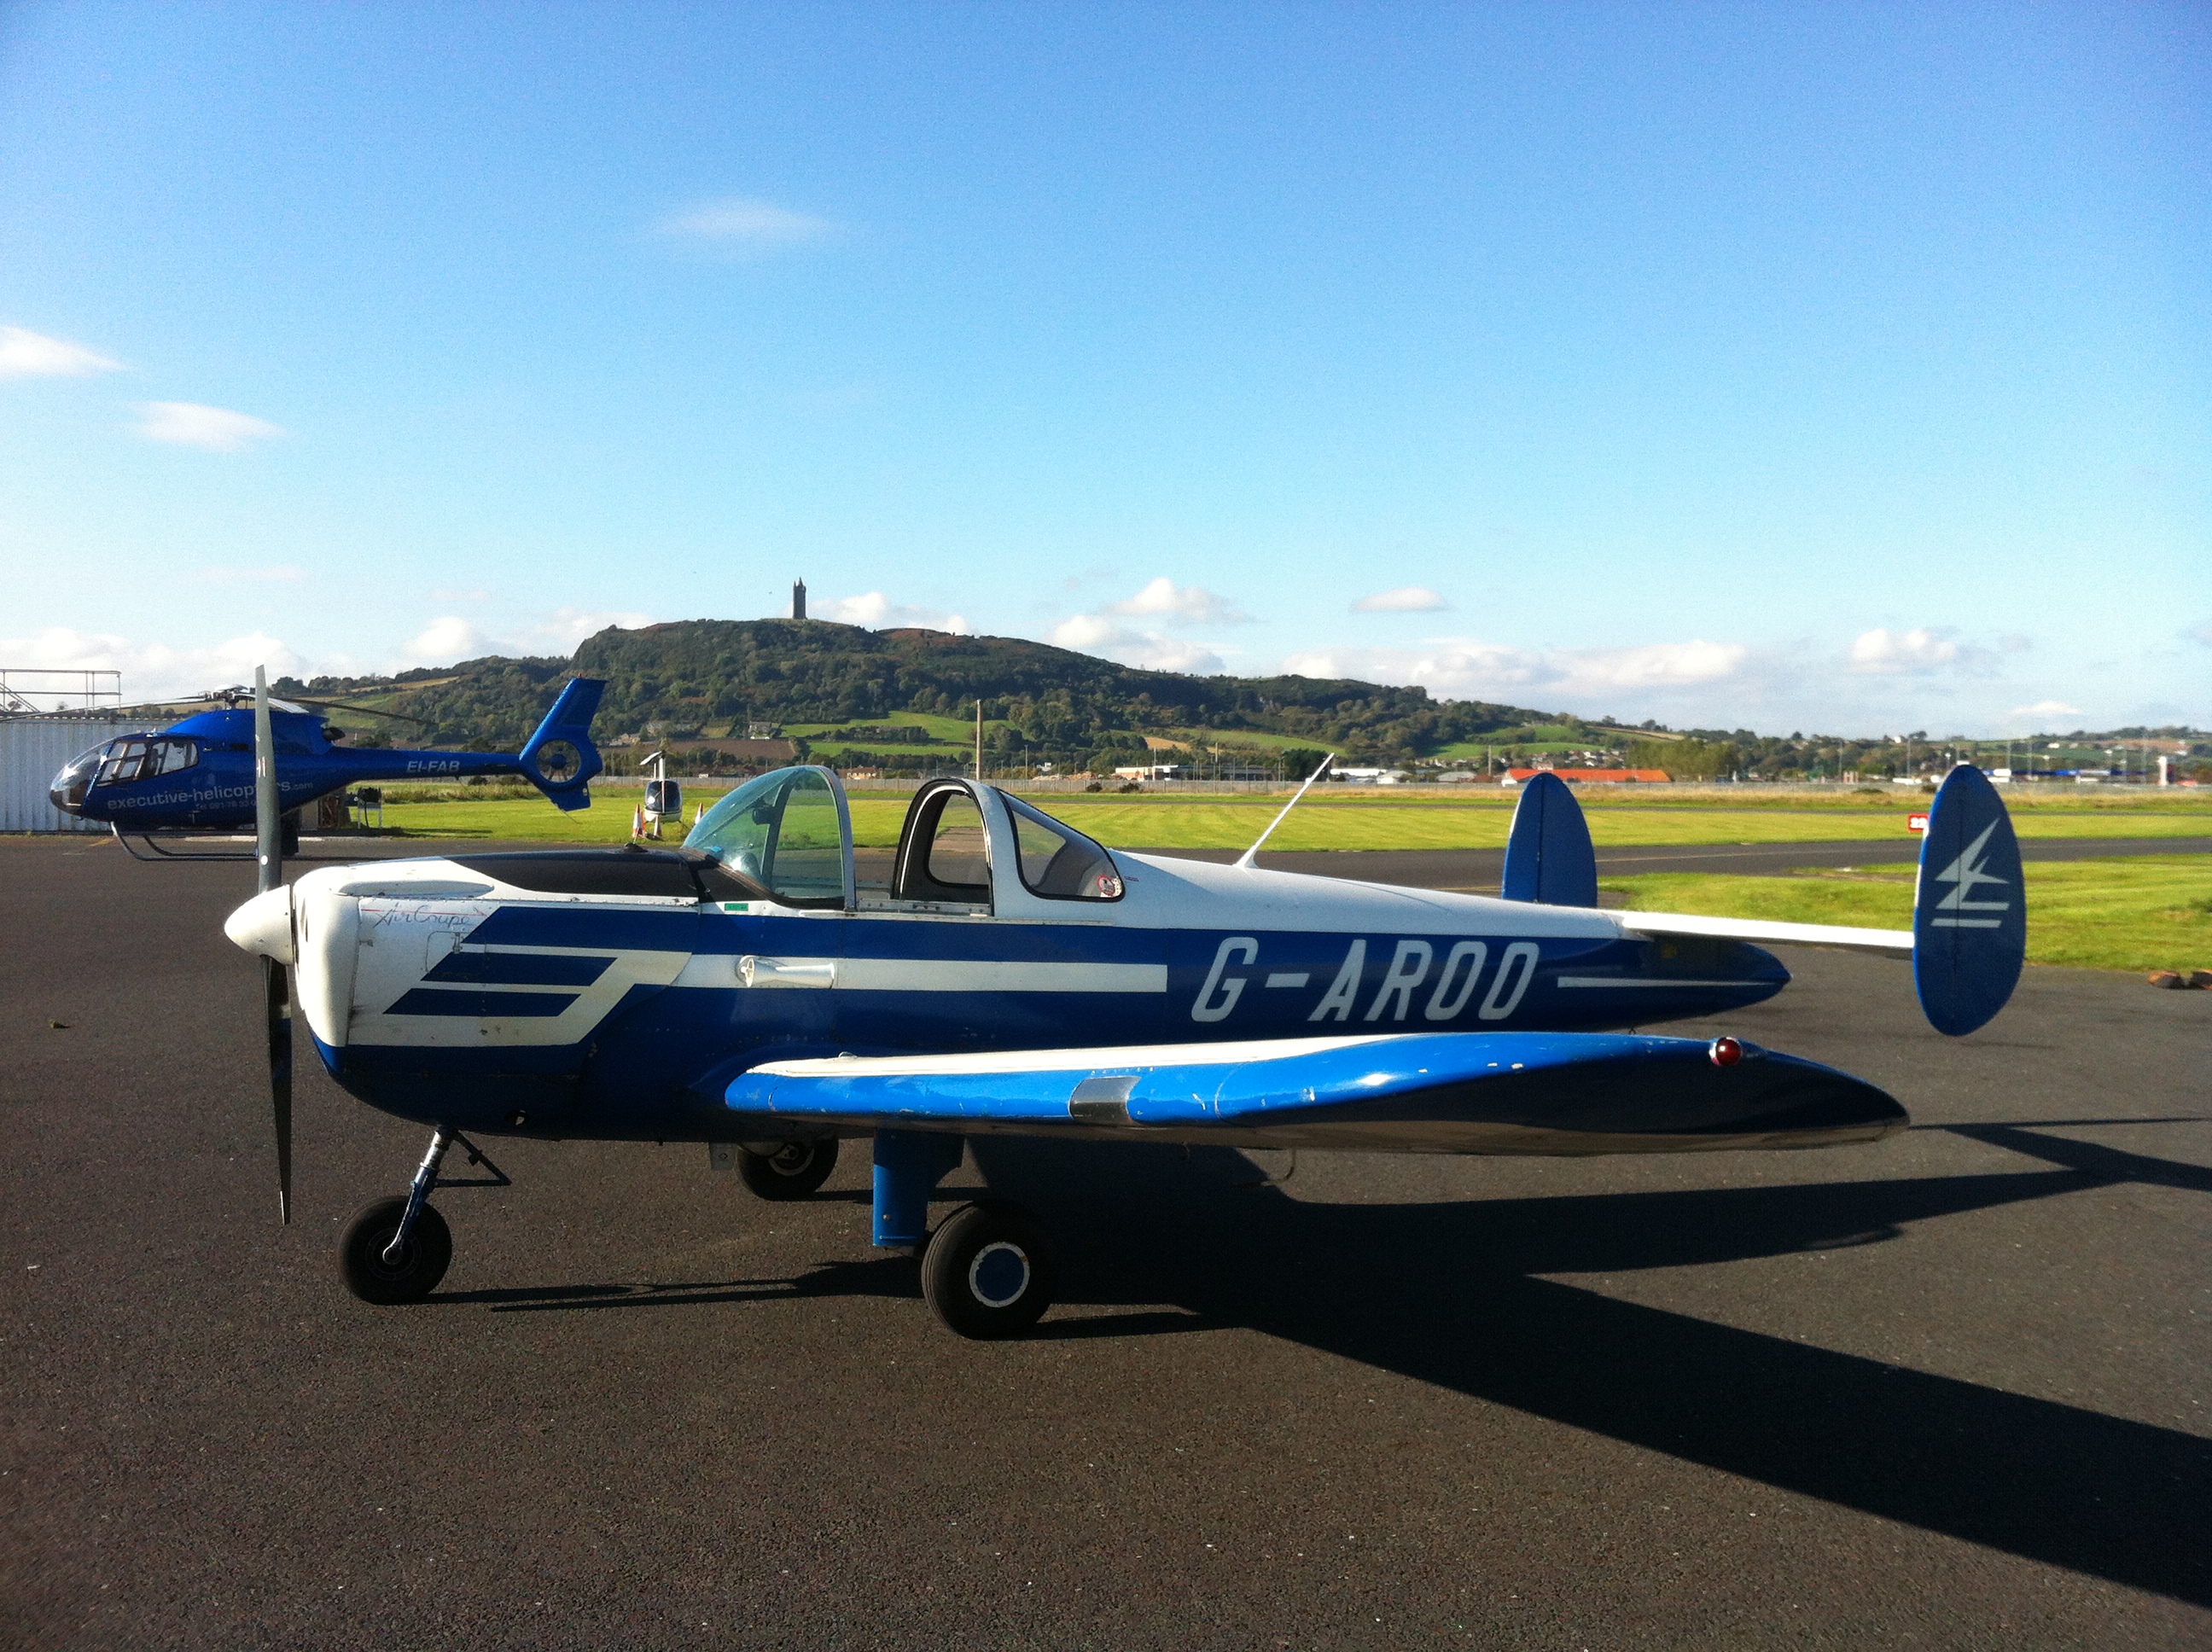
(33, 750)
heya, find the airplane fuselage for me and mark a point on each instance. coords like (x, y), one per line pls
(438, 990)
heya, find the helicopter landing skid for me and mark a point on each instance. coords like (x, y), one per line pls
(160, 853)
(291, 849)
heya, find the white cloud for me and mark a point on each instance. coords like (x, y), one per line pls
(446, 641)
(1405, 600)
(1103, 633)
(28, 355)
(152, 671)
(1151, 651)
(1463, 668)
(2043, 708)
(217, 429)
(569, 626)
(449, 639)
(878, 612)
(282, 573)
(1164, 599)
(744, 227)
(1917, 652)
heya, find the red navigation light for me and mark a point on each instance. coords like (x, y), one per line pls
(1725, 1052)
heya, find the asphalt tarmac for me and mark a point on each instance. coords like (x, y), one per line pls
(1946, 1391)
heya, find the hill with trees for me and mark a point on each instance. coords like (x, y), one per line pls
(703, 680)
(904, 700)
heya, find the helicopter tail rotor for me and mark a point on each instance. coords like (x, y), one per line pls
(560, 759)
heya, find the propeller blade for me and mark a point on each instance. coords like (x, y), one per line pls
(276, 979)
(277, 1000)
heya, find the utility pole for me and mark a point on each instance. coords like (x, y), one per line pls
(979, 739)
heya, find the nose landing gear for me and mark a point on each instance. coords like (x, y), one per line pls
(397, 1250)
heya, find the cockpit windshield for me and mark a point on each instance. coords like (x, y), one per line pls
(1058, 861)
(788, 831)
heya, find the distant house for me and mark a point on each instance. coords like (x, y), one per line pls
(1616, 776)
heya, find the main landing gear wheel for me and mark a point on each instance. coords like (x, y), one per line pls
(793, 1171)
(989, 1272)
(421, 1265)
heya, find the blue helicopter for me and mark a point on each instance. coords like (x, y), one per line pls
(769, 991)
(199, 773)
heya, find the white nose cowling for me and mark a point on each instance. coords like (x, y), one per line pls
(264, 925)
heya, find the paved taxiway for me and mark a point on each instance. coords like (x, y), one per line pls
(1949, 1391)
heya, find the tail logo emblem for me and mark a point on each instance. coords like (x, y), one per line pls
(1965, 872)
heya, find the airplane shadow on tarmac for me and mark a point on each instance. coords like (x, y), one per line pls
(1450, 1294)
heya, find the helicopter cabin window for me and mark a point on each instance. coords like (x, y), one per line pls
(141, 758)
(946, 854)
(1059, 862)
(167, 756)
(785, 831)
(121, 761)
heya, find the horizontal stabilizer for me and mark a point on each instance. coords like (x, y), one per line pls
(1895, 943)
(1548, 856)
(1415, 1092)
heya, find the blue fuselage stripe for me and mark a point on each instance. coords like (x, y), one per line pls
(481, 1005)
(519, 969)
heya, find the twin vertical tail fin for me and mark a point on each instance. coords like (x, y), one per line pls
(560, 759)
(1970, 914)
(1549, 857)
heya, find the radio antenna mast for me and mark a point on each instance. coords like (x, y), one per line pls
(1245, 859)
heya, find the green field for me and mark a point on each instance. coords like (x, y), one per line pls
(2146, 912)
(1365, 819)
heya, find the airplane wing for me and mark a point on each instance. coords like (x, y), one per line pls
(1895, 943)
(1506, 1092)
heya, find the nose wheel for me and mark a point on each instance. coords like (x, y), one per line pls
(989, 1271)
(378, 1271)
(397, 1249)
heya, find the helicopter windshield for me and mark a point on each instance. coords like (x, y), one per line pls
(786, 830)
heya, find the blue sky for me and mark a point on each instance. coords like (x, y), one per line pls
(1788, 367)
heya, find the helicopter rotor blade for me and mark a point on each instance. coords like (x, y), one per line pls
(276, 979)
(366, 711)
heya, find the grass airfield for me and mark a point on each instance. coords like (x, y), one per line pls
(2145, 912)
(1372, 818)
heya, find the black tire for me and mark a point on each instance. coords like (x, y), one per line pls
(989, 1271)
(287, 838)
(794, 1170)
(361, 1255)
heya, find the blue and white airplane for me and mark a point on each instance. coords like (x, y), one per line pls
(199, 773)
(767, 990)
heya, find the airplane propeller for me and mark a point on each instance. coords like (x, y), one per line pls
(276, 977)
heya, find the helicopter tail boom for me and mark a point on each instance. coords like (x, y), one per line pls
(569, 722)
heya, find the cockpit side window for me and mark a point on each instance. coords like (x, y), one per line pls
(124, 760)
(944, 854)
(169, 755)
(1059, 862)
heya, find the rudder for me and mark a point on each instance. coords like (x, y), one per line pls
(1970, 907)
(1549, 857)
